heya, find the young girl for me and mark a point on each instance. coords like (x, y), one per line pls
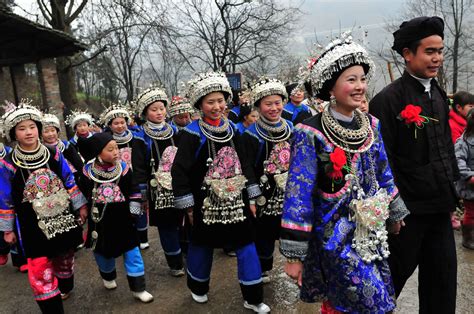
(161, 139)
(248, 116)
(268, 150)
(464, 149)
(80, 122)
(340, 192)
(42, 189)
(209, 176)
(180, 111)
(132, 151)
(113, 197)
(50, 136)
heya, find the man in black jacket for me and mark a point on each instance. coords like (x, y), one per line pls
(418, 143)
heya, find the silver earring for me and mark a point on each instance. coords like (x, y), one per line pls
(100, 160)
(332, 101)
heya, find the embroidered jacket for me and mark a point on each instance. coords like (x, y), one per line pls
(296, 114)
(316, 226)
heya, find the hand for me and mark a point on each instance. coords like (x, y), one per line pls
(9, 237)
(395, 227)
(190, 216)
(83, 211)
(295, 271)
(253, 209)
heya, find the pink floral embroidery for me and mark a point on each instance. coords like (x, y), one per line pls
(167, 159)
(226, 164)
(279, 159)
(126, 155)
(109, 193)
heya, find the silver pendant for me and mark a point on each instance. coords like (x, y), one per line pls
(94, 235)
(207, 202)
(261, 200)
(153, 183)
(264, 179)
(41, 225)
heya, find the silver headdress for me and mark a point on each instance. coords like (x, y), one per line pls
(206, 83)
(179, 105)
(114, 111)
(336, 56)
(77, 116)
(266, 87)
(16, 114)
(51, 120)
(149, 96)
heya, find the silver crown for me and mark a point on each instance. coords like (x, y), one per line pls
(206, 83)
(266, 87)
(77, 116)
(16, 114)
(179, 105)
(51, 120)
(337, 55)
(149, 96)
(114, 111)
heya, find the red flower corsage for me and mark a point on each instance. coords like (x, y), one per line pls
(338, 161)
(411, 115)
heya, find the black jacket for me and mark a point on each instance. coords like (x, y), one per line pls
(422, 161)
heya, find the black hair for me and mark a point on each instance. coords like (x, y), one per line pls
(413, 46)
(469, 131)
(462, 98)
(244, 111)
(39, 125)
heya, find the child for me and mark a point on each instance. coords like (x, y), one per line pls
(112, 233)
(464, 149)
(462, 103)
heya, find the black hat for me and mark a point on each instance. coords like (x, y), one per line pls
(417, 29)
(92, 146)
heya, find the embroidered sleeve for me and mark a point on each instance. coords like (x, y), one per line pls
(298, 211)
(75, 195)
(184, 202)
(7, 212)
(253, 190)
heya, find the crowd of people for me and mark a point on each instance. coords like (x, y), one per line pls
(359, 195)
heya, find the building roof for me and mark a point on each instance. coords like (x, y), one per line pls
(24, 41)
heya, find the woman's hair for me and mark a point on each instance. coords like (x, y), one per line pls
(244, 111)
(470, 125)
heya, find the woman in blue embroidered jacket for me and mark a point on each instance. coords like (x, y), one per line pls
(42, 189)
(268, 150)
(340, 192)
(161, 139)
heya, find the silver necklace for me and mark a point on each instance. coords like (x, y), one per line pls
(123, 139)
(161, 135)
(207, 130)
(109, 176)
(267, 136)
(31, 160)
(60, 146)
(337, 134)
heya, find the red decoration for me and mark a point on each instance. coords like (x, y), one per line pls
(411, 114)
(338, 160)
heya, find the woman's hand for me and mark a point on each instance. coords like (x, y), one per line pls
(83, 211)
(295, 271)
(190, 216)
(9, 237)
(253, 209)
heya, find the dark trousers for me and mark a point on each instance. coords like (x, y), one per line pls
(427, 241)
